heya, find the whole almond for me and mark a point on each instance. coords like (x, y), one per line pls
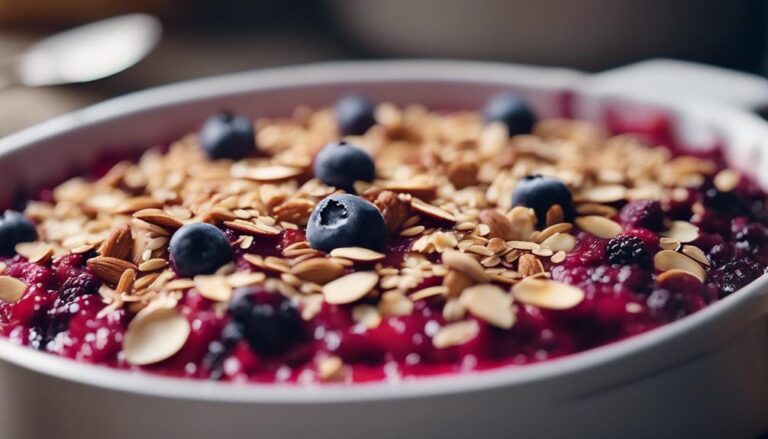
(109, 269)
(394, 209)
(499, 225)
(119, 243)
(462, 174)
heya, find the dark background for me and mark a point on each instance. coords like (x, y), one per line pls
(206, 37)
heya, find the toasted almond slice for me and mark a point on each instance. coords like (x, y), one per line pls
(155, 334)
(265, 173)
(245, 278)
(466, 264)
(547, 294)
(158, 217)
(560, 242)
(252, 228)
(412, 231)
(669, 244)
(604, 194)
(330, 368)
(153, 264)
(523, 245)
(431, 211)
(671, 275)
(455, 334)
(682, 231)
(421, 190)
(596, 209)
(213, 287)
(424, 293)
(696, 254)
(668, 260)
(35, 252)
(350, 288)
(11, 289)
(558, 257)
(317, 270)
(359, 254)
(552, 230)
(177, 284)
(490, 303)
(366, 315)
(727, 180)
(599, 226)
(395, 303)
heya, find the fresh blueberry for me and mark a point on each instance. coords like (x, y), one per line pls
(340, 164)
(15, 228)
(199, 248)
(268, 321)
(346, 221)
(354, 114)
(227, 136)
(626, 250)
(513, 111)
(540, 193)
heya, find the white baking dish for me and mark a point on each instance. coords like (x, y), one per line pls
(703, 376)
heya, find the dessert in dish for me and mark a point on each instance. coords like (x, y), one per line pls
(371, 242)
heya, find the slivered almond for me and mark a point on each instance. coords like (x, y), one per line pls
(35, 252)
(359, 254)
(136, 204)
(682, 231)
(109, 269)
(153, 265)
(424, 293)
(466, 264)
(213, 287)
(252, 228)
(668, 260)
(431, 211)
(455, 334)
(125, 284)
(156, 333)
(395, 303)
(158, 217)
(599, 226)
(119, 244)
(547, 294)
(499, 225)
(489, 303)
(350, 288)
(11, 289)
(245, 278)
(317, 270)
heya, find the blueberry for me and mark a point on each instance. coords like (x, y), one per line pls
(540, 193)
(199, 248)
(15, 228)
(346, 221)
(269, 322)
(340, 164)
(354, 114)
(227, 136)
(626, 250)
(513, 111)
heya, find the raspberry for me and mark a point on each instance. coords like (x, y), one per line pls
(627, 249)
(643, 213)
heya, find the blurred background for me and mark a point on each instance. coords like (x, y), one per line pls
(207, 37)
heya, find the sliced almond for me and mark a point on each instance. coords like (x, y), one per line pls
(668, 260)
(599, 226)
(696, 254)
(669, 244)
(489, 303)
(265, 173)
(138, 203)
(560, 242)
(317, 270)
(366, 315)
(455, 334)
(35, 252)
(551, 231)
(395, 303)
(158, 217)
(547, 294)
(359, 254)
(245, 278)
(153, 265)
(558, 257)
(431, 211)
(682, 231)
(424, 293)
(213, 287)
(673, 274)
(155, 334)
(252, 228)
(555, 215)
(499, 225)
(727, 180)
(350, 288)
(466, 264)
(11, 289)
(604, 194)
(529, 265)
(330, 368)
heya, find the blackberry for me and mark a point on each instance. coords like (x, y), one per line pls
(627, 249)
(647, 214)
(81, 285)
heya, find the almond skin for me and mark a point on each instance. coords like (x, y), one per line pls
(119, 244)
(109, 269)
